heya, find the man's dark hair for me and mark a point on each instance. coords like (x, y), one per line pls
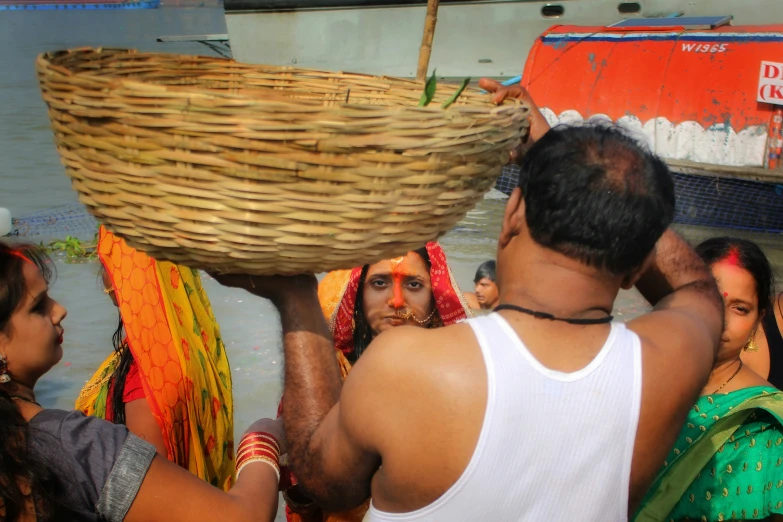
(594, 194)
(486, 270)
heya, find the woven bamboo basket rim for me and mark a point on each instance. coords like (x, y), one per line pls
(265, 95)
(265, 169)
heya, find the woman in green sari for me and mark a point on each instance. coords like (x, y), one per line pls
(727, 463)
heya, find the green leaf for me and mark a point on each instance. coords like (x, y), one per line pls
(429, 91)
(223, 379)
(202, 361)
(204, 399)
(454, 96)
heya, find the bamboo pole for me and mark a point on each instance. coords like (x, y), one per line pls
(426, 42)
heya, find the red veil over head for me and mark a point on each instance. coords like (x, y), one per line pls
(337, 293)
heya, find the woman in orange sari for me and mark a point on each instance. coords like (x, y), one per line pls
(416, 290)
(168, 379)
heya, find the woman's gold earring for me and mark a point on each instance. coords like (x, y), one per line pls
(4, 377)
(751, 346)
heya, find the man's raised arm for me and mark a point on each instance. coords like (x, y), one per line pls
(678, 282)
(332, 466)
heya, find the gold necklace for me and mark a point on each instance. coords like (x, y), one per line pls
(729, 379)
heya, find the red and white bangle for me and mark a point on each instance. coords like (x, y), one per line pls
(258, 447)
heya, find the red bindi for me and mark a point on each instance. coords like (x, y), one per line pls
(725, 294)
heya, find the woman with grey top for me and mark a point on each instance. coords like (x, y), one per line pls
(61, 465)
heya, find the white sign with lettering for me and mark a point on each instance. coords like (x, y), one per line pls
(771, 83)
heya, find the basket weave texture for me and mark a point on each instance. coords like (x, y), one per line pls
(269, 170)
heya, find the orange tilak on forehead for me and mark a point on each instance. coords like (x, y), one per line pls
(402, 265)
(399, 270)
(396, 261)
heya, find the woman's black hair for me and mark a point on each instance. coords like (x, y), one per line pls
(362, 334)
(749, 256)
(121, 372)
(17, 465)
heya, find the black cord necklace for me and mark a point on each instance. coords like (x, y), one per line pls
(550, 317)
(25, 399)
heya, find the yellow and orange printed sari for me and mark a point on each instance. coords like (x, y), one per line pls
(175, 340)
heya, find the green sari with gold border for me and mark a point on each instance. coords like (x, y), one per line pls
(727, 463)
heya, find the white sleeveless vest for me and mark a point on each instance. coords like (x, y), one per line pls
(554, 446)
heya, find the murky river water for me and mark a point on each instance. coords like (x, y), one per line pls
(32, 179)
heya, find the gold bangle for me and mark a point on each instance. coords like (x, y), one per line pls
(258, 451)
(260, 435)
(246, 443)
(259, 443)
(249, 456)
(246, 449)
(255, 438)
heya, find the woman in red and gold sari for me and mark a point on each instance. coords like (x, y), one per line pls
(416, 290)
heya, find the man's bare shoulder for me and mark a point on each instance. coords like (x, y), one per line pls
(412, 382)
(412, 343)
(414, 362)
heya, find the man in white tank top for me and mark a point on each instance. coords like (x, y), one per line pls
(545, 410)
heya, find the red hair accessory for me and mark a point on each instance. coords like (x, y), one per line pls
(21, 256)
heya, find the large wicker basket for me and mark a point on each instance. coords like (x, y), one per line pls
(269, 170)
